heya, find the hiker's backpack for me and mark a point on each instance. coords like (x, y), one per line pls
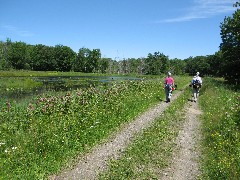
(168, 87)
(196, 83)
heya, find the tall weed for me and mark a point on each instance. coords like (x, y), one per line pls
(221, 128)
(40, 138)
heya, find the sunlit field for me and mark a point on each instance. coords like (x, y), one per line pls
(41, 136)
(221, 128)
(152, 151)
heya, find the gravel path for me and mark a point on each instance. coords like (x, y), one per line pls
(96, 161)
(184, 165)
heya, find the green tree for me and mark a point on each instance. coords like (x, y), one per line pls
(113, 67)
(197, 64)
(156, 63)
(80, 64)
(124, 66)
(42, 58)
(4, 47)
(215, 62)
(87, 61)
(64, 57)
(177, 66)
(28, 57)
(93, 60)
(104, 64)
(230, 46)
(17, 55)
(134, 65)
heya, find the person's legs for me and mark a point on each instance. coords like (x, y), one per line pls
(170, 94)
(197, 93)
(167, 94)
(194, 94)
(168, 91)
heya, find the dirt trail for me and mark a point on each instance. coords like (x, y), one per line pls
(184, 165)
(96, 161)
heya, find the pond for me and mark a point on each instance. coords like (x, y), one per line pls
(17, 88)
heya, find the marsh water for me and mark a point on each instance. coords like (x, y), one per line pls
(53, 84)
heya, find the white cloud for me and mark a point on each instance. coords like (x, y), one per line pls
(17, 31)
(204, 9)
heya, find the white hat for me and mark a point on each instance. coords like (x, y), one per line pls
(197, 73)
(169, 74)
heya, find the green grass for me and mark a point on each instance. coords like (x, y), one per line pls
(40, 138)
(11, 84)
(151, 151)
(26, 73)
(221, 128)
(17, 87)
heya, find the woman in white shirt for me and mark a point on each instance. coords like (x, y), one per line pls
(196, 85)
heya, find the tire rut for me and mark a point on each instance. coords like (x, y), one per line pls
(96, 161)
(185, 161)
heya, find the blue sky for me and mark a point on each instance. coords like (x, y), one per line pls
(119, 28)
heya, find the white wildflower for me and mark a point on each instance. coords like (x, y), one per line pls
(13, 148)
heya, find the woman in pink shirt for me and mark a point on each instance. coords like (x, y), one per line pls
(168, 85)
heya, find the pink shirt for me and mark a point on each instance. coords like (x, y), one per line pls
(169, 80)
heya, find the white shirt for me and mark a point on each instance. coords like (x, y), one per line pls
(197, 78)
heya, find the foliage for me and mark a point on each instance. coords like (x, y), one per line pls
(221, 129)
(113, 66)
(4, 48)
(93, 61)
(18, 55)
(42, 58)
(104, 64)
(39, 139)
(215, 64)
(156, 63)
(17, 83)
(177, 66)
(151, 150)
(133, 65)
(197, 64)
(230, 46)
(226, 62)
(87, 61)
(27, 73)
(64, 57)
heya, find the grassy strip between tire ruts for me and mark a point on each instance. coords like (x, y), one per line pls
(151, 151)
(221, 127)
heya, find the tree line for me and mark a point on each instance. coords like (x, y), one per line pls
(225, 62)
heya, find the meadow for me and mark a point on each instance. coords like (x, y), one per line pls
(46, 133)
(221, 129)
(41, 136)
(151, 152)
(21, 84)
